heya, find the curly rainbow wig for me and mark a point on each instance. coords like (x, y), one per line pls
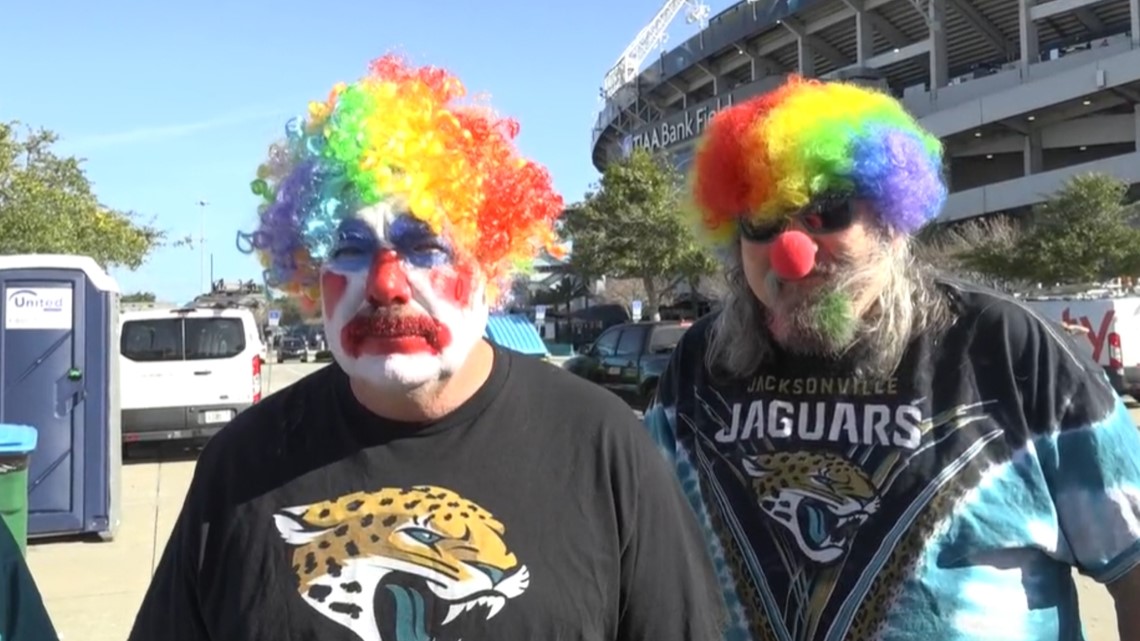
(399, 136)
(770, 156)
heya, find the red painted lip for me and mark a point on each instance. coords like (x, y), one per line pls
(384, 334)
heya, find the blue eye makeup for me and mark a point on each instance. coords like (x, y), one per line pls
(355, 245)
(411, 238)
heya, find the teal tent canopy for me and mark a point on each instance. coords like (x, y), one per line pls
(515, 332)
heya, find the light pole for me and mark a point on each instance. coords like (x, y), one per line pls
(202, 247)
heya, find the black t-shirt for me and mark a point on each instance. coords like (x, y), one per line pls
(949, 501)
(22, 613)
(539, 509)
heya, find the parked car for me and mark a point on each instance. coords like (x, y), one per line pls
(293, 347)
(1107, 329)
(187, 372)
(628, 359)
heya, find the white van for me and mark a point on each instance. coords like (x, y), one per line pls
(185, 373)
(1106, 328)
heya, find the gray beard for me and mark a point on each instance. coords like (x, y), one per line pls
(797, 327)
(862, 349)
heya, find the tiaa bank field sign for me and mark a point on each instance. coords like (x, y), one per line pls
(681, 127)
(691, 123)
(38, 308)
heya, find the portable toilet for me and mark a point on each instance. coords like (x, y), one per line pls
(59, 373)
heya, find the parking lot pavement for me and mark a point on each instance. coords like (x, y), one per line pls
(93, 589)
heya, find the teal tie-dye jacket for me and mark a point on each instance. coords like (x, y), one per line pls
(949, 502)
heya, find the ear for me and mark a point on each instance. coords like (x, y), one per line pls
(754, 467)
(293, 528)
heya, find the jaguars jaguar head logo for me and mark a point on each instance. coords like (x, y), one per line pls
(820, 498)
(401, 564)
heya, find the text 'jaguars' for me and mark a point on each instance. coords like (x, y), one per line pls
(857, 424)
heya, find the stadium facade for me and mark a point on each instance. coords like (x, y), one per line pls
(1024, 94)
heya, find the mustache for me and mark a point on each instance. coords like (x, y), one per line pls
(843, 266)
(833, 271)
(837, 265)
(387, 325)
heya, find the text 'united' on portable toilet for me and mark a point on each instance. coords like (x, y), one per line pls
(17, 442)
(59, 373)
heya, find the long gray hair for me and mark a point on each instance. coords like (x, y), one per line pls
(907, 305)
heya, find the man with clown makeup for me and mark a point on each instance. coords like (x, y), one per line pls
(427, 485)
(875, 450)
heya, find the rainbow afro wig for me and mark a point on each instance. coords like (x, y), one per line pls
(400, 136)
(772, 155)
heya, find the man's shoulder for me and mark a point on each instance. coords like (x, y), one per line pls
(563, 391)
(694, 342)
(265, 424)
(286, 400)
(988, 314)
(581, 410)
(698, 333)
(1003, 334)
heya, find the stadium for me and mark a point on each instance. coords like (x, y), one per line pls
(1024, 94)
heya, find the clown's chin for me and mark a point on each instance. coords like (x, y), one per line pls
(820, 326)
(402, 372)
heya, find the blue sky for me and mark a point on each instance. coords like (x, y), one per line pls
(175, 103)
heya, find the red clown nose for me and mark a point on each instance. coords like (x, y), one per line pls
(792, 255)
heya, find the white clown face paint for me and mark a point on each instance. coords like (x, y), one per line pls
(399, 310)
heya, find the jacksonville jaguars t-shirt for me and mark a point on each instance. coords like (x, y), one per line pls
(540, 509)
(950, 501)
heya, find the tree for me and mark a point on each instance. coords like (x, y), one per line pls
(955, 247)
(695, 266)
(47, 206)
(1084, 233)
(623, 291)
(629, 227)
(291, 313)
(138, 297)
(563, 293)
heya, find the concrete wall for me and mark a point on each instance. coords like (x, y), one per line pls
(989, 174)
(1010, 94)
(1030, 190)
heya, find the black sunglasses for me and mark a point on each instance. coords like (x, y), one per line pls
(823, 216)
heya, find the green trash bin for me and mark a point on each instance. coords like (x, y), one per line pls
(17, 442)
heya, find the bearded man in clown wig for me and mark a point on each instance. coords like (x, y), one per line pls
(876, 450)
(426, 485)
